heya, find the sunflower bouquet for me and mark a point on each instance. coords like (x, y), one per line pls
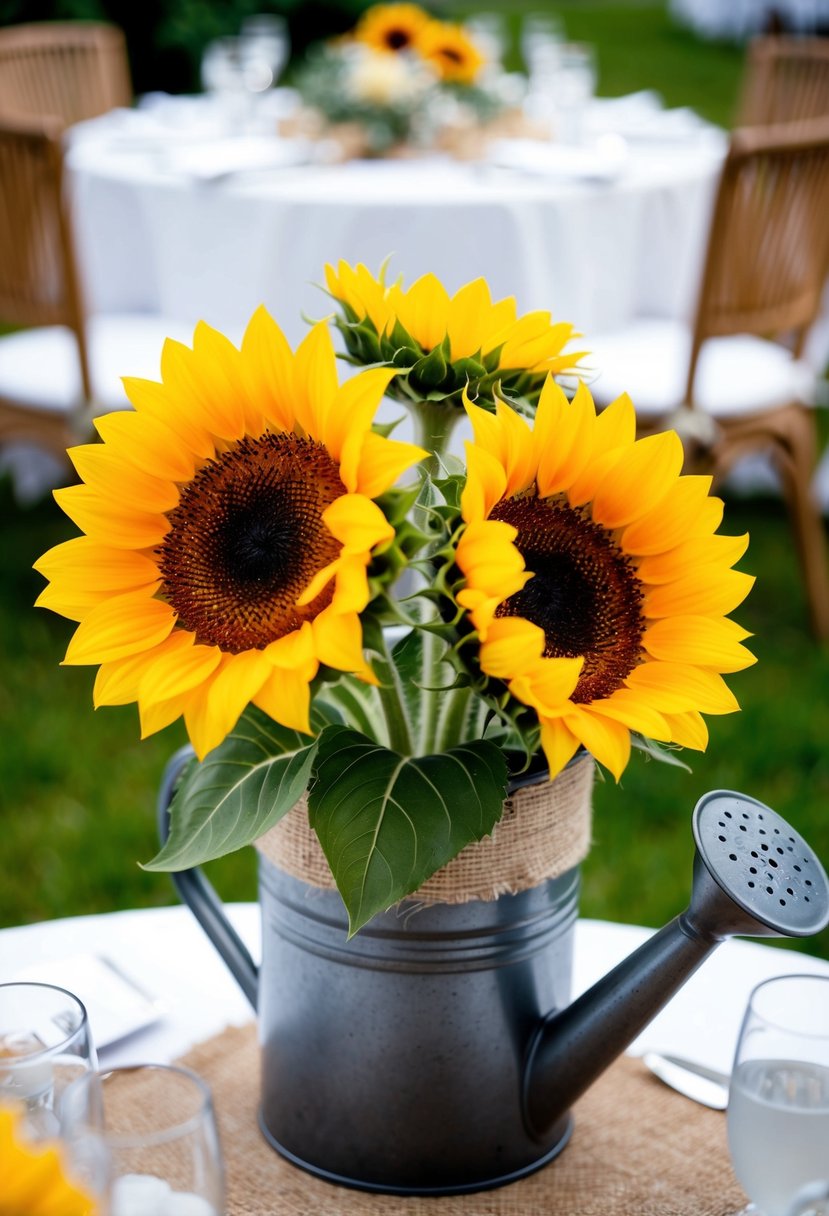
(397, 80)
(388, 627)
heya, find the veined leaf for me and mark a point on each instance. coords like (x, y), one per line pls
(387, 822)
(241, 788)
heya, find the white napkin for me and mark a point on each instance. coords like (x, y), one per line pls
(602, 160)
(211, 160)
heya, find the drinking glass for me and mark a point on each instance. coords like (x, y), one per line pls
(573, 88)
(778, 1104)
(147, 1136)
(45, 1044)
(266, 47)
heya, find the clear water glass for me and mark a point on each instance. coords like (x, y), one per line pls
(778, 1104)
(266, 49)
(45, 1044)
(145, 1138)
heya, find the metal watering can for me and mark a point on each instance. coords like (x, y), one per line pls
(437, 1051)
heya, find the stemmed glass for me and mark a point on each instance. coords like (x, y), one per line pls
(45, 1044)
(146, 1136)
(778, 1105)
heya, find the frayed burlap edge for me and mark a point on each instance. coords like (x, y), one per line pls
(545, 830)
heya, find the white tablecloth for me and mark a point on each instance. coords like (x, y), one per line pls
(173, 216)
(165, 951)
(740, 19)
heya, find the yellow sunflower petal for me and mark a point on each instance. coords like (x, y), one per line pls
(109, 522)
(177, 412)
(121, 626)
(338, 639)
(151, 444)
(468, 312)
(315, 381)
(685, 511)
(485, 484)
(381, 462)
(176, 670)
(677, 687)
(354, 410)
(423, 310)
(637, 483)
(569, 445)
(708, 591)
(626, 707)
(286, 697)
(357, 522)
(559, 744)
(82, 561)
(268, 370)
(706, 641)
(692, 553)
(158, 715)
(74, 600)
(212, 714)
(512, 645)
(117, 682)
(688, 730)
(605, 739)
(211, 374)
(548, 685)
(114, 476)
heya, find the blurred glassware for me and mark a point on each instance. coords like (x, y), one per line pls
(542, 33)
(148, 1136)
(489, 31)
(267, 49)
(574, 89)
(45, 1044)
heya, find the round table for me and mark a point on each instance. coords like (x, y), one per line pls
(174, 215)
(164, 951)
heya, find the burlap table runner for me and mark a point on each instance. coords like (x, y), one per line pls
(638, 1149)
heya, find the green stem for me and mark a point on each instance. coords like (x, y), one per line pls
(453, 718)
(394, 707)
(434, 423)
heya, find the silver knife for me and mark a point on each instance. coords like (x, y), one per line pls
(704, 1085)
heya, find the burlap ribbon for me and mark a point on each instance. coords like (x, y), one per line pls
(544, 830)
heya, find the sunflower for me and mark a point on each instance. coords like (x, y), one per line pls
(447, 344)
(34, 1179)
(391, 27)
(594, 578)
(229, 522)
(449, 48)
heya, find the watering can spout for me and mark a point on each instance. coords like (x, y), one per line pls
(753, 876)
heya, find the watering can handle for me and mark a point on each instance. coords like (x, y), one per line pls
(196, 891)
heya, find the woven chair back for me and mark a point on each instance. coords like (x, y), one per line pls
(72, 70)
(786, 80)
(768, 249)
(38, 274)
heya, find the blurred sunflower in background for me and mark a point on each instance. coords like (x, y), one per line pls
(34, 1180)
(230, 519)
(452, 52)
(594, 580)
(392, 27)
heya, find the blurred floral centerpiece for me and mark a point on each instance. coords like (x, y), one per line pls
(388, 629)
(398, 81)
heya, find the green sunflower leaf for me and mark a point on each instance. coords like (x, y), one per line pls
(387, 822)
(241, 788)
(430, 371)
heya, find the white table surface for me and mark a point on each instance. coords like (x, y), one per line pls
(160, 228)
(167, 953)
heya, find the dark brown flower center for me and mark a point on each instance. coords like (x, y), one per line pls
(585, 593)
(449, 52)
(397, 39)
(246, 539)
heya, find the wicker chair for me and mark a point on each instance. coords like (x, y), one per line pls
(71, 70)
(732, 382)
(59, 367)
(786, 79)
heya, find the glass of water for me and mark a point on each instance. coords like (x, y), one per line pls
(778, 1104)
(146, 1137)
(45, 1043)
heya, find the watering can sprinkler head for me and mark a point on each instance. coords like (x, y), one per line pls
(753, 876)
